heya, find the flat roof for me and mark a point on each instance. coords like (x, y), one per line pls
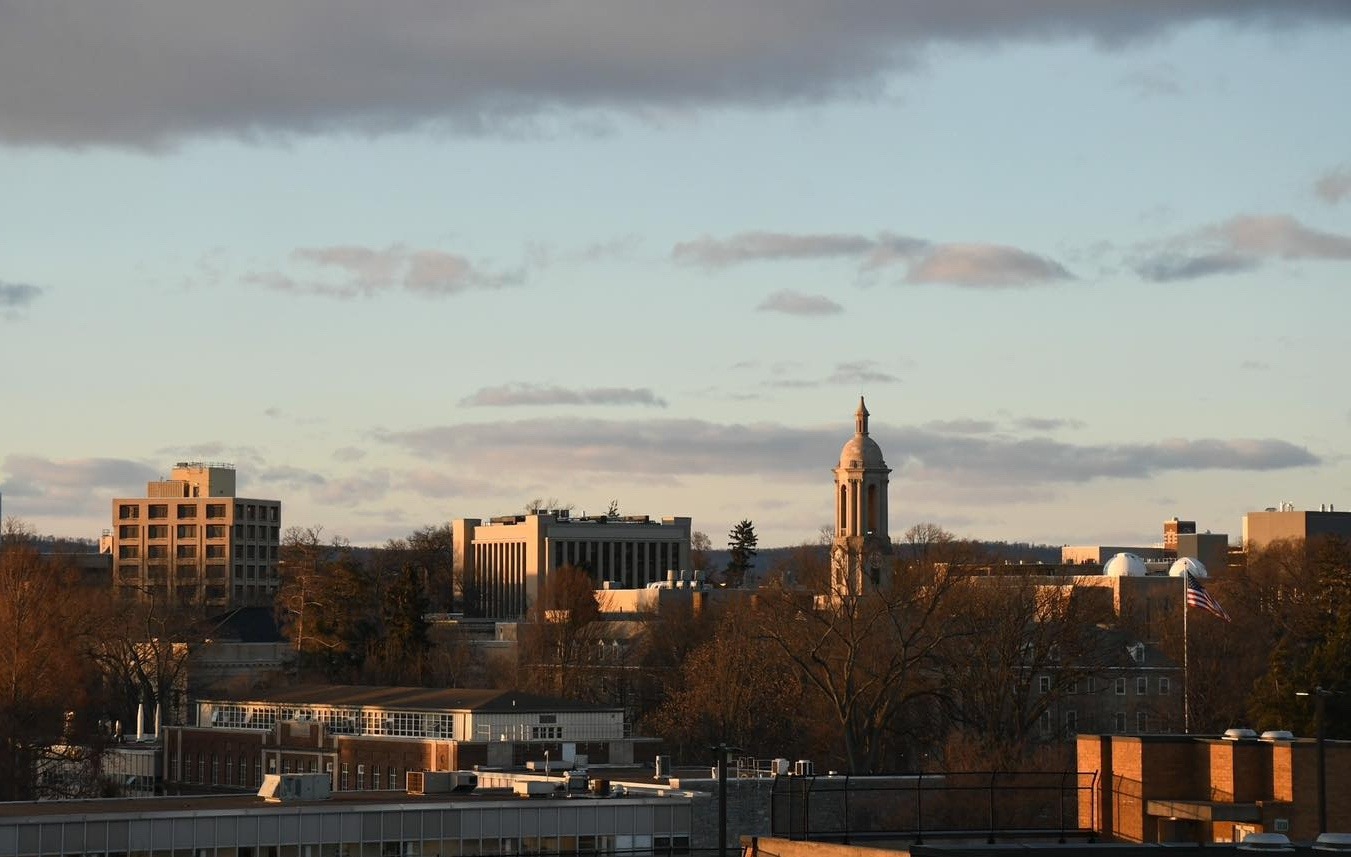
(417, 698)
(344, 800)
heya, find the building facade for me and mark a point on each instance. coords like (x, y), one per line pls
(504, 565)
(1186, 788)
(861, 550)
(192, 540)
(369, 738)
(1277, 524)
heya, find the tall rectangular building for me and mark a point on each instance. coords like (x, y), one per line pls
(503, 565)
(192, 541)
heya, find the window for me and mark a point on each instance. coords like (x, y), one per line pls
(187, 531)
(187, 510)
(215, 510)
(129, 531)
(216, 531)
(375, 777)
(361, 777)
(1141, 722)
(1044, 684)
(159, 510)
(1121, 687)
(239, 531)
(1121, 722)
(1164, 686)
(129, 511)
(215, 551)
(157, 531)
(1090, 685)
(157, 551)
(186, 551)
(1074, 686)
(1045, 723)
(1071, 721)
(128, 551)
(546, 733)
(251, 511)
(393, 776)
(1141, 685)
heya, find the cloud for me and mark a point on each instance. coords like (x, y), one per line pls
(860, 372)
(34, 485)
(350, 271)
(1048, 423)
(974, 264)
(790, 302)
(985, 265)
(515, 395)
(684, 447)
(1334, 185)
(349, 453)
(1153, 82)
(15, 297)
(1241, 243)
(961, 426)
(165, 71)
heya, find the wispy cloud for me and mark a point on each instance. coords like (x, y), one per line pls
(988, 265)
(516, 395)
(970, 264)
(15, 297)
(35, 485)
(1153, 82)
(684, 447)
(790, 302)
(264, 70)
(1334, 185)
(861, 373)
(351, 271)
(1240, 244)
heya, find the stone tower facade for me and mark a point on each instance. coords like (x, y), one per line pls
(861, 552)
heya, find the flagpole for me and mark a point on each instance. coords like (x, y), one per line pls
(1186, 684)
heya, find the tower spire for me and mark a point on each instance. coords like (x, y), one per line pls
(861, 418)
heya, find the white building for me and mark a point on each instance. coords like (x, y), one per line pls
(505, 564)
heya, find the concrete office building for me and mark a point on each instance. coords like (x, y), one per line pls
(505, 564)
(1285, 522)
(191, 539)
(352, 824)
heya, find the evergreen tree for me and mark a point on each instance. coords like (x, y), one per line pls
(741, 542)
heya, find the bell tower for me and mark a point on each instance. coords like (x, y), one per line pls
(861, 551)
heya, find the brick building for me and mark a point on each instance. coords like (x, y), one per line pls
(368, 738)
(1187, 788)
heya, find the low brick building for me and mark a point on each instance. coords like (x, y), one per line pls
(1188, 788)
(369, 738)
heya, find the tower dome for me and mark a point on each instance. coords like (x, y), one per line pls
(1125, 565)
(1186, 565)
(861, 451)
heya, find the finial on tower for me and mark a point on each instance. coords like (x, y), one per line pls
(861, 418)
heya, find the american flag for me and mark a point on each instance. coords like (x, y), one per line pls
(1198, 597)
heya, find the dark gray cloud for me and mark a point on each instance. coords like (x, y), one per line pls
(15, 297)
(1241, 243)
(150, 73)
(972, 264)
(353, 271)
(515, 395)
(34, 485)
(681, 447)
(790, 302)
(1334, 185)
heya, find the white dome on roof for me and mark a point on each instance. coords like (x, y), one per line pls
(1188, 564)
(1125, 565)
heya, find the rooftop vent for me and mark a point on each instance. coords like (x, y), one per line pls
(1278, 735)
(1278, 842)
(1238, 734)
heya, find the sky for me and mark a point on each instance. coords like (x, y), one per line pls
(402, 263)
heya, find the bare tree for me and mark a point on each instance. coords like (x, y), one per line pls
(561, 636)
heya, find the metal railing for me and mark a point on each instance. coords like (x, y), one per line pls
(998, 805)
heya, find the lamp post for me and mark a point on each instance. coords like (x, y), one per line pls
(1320, 696)
(721, 751)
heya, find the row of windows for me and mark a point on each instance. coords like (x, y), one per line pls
(156, 532)
(1118, 723)
(187, 511)
(343, 721)
(1118, 685)
(344, 777)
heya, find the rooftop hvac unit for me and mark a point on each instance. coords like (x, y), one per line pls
(288, 787)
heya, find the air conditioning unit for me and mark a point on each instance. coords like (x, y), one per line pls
(441, 782)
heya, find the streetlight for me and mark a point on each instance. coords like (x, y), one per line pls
(722, 750)
(1320, 696)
